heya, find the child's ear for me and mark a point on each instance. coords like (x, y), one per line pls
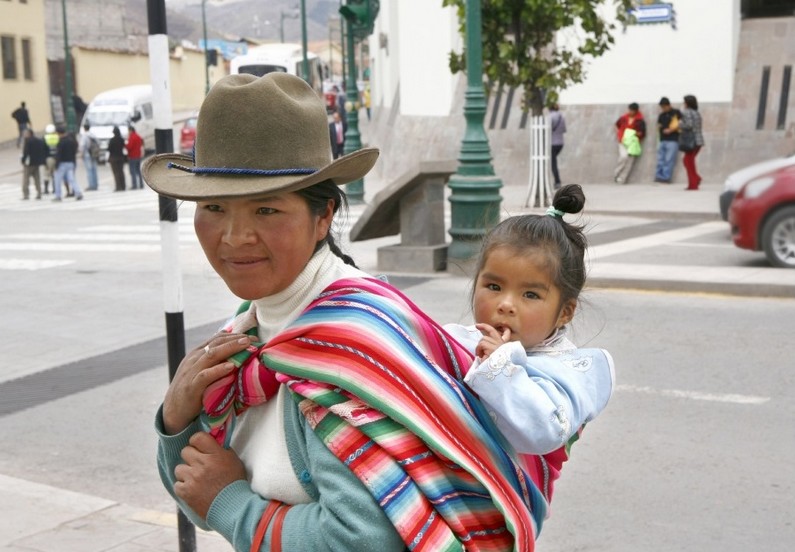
(566, 312)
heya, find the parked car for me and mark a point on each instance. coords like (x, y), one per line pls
(736, 179)
(762, 216)
(187, 136)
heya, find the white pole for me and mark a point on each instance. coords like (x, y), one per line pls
(169, 230)
(540, 187)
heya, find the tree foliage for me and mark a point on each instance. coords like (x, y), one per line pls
(520, 48)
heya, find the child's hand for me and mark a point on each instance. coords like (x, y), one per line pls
(491, 340)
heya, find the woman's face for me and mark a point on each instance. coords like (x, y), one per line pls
(259, 245)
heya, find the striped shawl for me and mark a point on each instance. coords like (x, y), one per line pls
(381, 384)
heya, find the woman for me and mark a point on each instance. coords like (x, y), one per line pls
(691, 121)
(330, 413)
(117, 158)
(557, 124)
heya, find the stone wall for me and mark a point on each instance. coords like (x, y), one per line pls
(732, 139)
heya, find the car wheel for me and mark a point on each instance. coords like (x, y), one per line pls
(778, 238)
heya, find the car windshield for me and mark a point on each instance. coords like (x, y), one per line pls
(259, 70)
(191, 123)
(107, 118)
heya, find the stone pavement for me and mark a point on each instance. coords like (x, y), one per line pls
(37, 517)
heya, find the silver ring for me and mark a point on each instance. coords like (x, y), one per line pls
(206, 349)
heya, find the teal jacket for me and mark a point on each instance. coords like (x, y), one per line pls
(343, 516)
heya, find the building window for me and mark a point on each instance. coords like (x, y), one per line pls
(9, 57)
(27, 60)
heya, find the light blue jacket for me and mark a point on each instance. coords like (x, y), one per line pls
(539, 398)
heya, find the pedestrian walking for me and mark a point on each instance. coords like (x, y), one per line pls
(557, 125)
(116, 158)
(22, 117)
(89, 151)
(34, 155)
(348, 424)
(135, 153)
(691, 140)
(65, 161)
(629, 143)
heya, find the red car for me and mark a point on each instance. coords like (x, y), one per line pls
(187, 136)
(762, 216)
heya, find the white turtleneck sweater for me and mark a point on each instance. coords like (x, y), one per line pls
(258, 436)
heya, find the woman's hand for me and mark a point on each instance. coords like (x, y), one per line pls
(207, 470)
(491, 340)
(201, 367)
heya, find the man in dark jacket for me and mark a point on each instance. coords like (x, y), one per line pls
(65, 158)
(668, 145)
(34, 154)
(22, 117)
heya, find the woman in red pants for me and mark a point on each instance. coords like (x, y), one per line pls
(691, 121)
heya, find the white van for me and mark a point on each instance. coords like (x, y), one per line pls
(282, 58)
(130, 105)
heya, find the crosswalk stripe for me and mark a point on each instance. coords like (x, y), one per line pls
(31, 264)
(85, 238)
(81, 247)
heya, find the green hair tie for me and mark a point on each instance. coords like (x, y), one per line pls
(555, 213)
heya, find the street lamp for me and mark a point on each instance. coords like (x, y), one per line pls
(353, 142)
(284, 16)
(69, 88)
(474, 189)
(303, 41)
(206, 61)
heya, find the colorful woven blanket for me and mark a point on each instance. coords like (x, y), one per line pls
(380, 383)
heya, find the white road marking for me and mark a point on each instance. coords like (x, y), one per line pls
(83, 247)
(93, 237)
(695, 395)
(661, 238)
(31, 264)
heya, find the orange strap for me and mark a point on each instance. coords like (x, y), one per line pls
(262, 526)
(276, 534)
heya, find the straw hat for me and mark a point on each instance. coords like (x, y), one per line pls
(256, 136)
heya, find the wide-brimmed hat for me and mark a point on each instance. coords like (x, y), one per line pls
(255, 136)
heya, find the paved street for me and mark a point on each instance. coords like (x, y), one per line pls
(692, 453)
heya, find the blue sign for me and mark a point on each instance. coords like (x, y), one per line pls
(227, 48)
(654, 12)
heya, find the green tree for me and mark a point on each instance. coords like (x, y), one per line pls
(520, 49)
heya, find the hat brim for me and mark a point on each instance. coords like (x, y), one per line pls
(179, 184)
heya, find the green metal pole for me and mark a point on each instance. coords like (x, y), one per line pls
(330, 52)
(354, 190)
(342, 45)
(474, 189)
(206, 64)
(303, 41)
(71, 125)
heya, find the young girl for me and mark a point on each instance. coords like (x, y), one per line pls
(539, 388)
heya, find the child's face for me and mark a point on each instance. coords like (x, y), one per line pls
(515, 291)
